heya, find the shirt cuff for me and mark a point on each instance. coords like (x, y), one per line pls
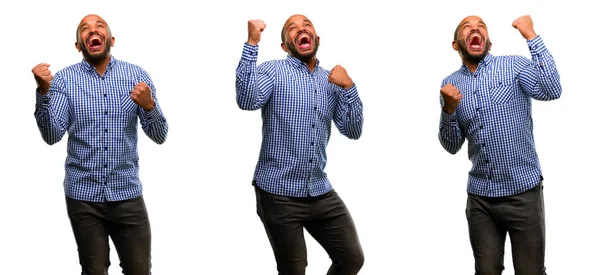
(448, 119)
(536, 45)
(250, 52)
(155, 112)
(42, 100)
(350, 95)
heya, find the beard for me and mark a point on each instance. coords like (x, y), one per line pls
(305, 57)
(474, 58)
(96, 57)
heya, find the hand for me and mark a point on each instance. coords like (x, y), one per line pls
(142, 96)
(255, 27)
(43, 77)
(525, 26)
(339, 76)
(451, 96)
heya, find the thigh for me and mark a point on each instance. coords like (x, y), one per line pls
(89, 226)
(333, 228)
(284, 219)
(486, 235)
(524, 216)
(130, 231)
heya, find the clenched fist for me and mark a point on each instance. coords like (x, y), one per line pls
(43, 77)
(255, 27)
(525, 26)
(339, 76)
(451, 96)
(142, 96)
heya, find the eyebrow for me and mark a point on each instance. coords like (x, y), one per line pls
(305, 20)
(97, 21)
(479, 21)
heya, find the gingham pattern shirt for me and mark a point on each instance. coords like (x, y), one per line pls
(494, 116)
(101, 119)
(297, 110)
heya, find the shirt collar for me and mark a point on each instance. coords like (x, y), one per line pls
(88, 67)
(485, 62)
(297, 63)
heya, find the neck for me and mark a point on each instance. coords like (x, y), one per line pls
(100, 65)
(471, 65)
(311, 64)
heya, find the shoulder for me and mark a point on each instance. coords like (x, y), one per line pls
(124, 65)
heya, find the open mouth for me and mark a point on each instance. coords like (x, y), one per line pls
(95, 42)
(304, 41)
(475, 41)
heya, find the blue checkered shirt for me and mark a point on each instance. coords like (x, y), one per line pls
(102, 120)
(494, 115)
(297, 110)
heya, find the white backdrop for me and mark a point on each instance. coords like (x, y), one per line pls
(406, 194)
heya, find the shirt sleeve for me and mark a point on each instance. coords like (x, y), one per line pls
(450, 135)
(52, 111)
(154, 124)
(539, 77)
(254, 84)
(348, 117)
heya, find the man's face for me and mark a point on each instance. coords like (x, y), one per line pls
(472, 41)
(300, 38)
(94, 39)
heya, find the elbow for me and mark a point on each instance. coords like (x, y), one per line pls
(354, 134)
(50, 141)
(248, 107)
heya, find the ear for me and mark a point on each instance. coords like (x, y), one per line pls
(284, 47)
(455, 45)
(318, 41)
(490, 46)
(112, 41)
(77, 46)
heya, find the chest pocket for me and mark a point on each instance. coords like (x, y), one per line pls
(124, 87)
(502, 90)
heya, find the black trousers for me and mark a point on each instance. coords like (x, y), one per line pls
(325, 218)
(522, 217)
(127, 224)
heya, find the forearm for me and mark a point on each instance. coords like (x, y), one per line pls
(450, 135)
(49, 125)
(250, 93)
(154, 124)
(349, 113)
(541, 78)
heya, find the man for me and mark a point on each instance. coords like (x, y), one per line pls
(488, 102)
(299, 99)
(98, 102)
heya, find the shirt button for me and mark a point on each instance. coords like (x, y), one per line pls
(315, 108)
(312, 143)
(310, 161)
(313, 126)
(489, 177)
(106, 130)
(105, 148)
(105, 165)
(483, 145)
(487, 161)
(104, 95)
(106, 112)
(480, 126)
(477, 109)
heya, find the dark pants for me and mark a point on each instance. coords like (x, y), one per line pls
(127, 224)
(325, 217)
(522, 217)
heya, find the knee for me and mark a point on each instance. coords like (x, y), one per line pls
(352, 263)
(488, 268)
(293, 267)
